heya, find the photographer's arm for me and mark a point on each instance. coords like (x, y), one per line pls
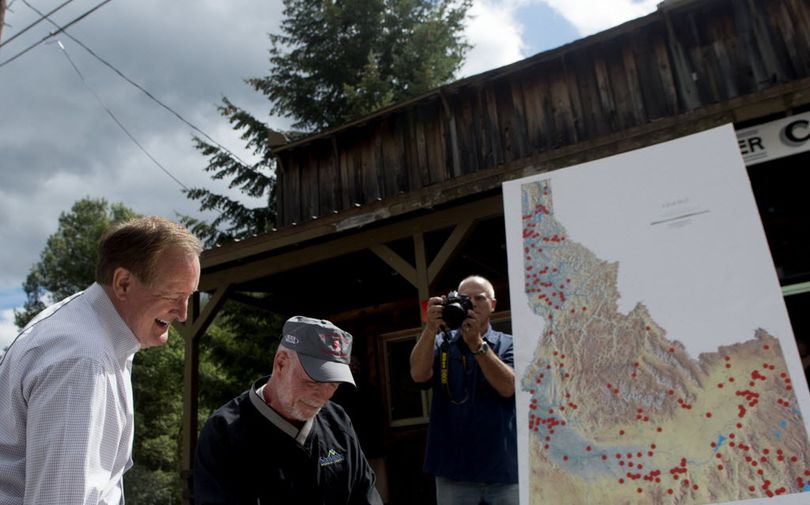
(499, 375)
(422, 353)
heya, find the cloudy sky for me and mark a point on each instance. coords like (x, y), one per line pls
(58, 144)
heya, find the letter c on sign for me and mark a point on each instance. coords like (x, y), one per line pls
(796, 133)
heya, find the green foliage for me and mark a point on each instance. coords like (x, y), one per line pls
(337, 60)
(67, 264)
(237, 350)
(157, 383)
(256, 180)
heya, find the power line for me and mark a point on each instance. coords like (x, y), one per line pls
(140, 88)
(61, 29)
(121, 125)
(114, 118)
(42, 17)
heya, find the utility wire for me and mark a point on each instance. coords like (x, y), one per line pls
(42, 17)
(120, 125)
(139, 87)
(52, 34)
(62, 29)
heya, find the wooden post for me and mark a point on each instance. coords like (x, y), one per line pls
(195, 326)
(188, 431)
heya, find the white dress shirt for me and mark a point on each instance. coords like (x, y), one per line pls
(66, 415)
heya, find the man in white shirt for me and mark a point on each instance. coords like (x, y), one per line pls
(66, 416)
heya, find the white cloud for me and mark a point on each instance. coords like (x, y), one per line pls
(495, 36)
(497, 32)
(7, 329)
(591, 16)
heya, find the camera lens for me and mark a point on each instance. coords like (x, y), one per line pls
(453, 315)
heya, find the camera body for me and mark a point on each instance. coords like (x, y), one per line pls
(454, 309)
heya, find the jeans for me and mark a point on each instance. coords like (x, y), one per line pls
(453, 492)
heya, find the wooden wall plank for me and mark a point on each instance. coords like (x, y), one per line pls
(492, 126)
(605, 91)
(519, 117)
(635, 84)
(468, 139)
(293, 187)
(327, 179)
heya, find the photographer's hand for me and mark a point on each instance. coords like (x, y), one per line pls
(499, 375)
(472, 331)
(422, 353)
(434, 309)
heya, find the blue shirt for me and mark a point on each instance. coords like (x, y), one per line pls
(472, 435)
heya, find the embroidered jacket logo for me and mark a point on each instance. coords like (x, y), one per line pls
(331, 458)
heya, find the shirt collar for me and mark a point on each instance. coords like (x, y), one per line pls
(122, 339)
(256, 395)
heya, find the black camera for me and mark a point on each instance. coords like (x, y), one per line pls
(454, 309)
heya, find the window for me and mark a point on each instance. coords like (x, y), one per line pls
(407, 401)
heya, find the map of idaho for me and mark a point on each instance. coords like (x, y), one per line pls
(621, 414)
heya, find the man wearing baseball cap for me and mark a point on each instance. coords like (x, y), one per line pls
(282, 440)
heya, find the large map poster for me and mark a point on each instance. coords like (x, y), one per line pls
(654, 357)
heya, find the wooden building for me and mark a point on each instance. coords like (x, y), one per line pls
(381, 213)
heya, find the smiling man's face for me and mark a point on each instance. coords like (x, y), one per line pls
(149, 310)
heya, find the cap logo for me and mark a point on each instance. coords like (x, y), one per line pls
(291, 339)
(334, 343)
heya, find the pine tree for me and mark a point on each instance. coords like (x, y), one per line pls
(333, 61)
(67, 263)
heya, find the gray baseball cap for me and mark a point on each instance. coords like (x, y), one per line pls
(323, 348)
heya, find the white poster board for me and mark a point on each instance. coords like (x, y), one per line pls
(654, 357)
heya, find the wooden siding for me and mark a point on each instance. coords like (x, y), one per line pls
(674, 61)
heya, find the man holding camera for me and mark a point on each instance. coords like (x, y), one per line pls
(472, 445)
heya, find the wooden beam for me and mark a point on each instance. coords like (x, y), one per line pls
(448, 248)
(201, 323)
(194, 327)
(256, 269)
(423, 282)
(396, 262)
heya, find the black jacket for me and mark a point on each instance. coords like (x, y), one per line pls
(244, 458)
